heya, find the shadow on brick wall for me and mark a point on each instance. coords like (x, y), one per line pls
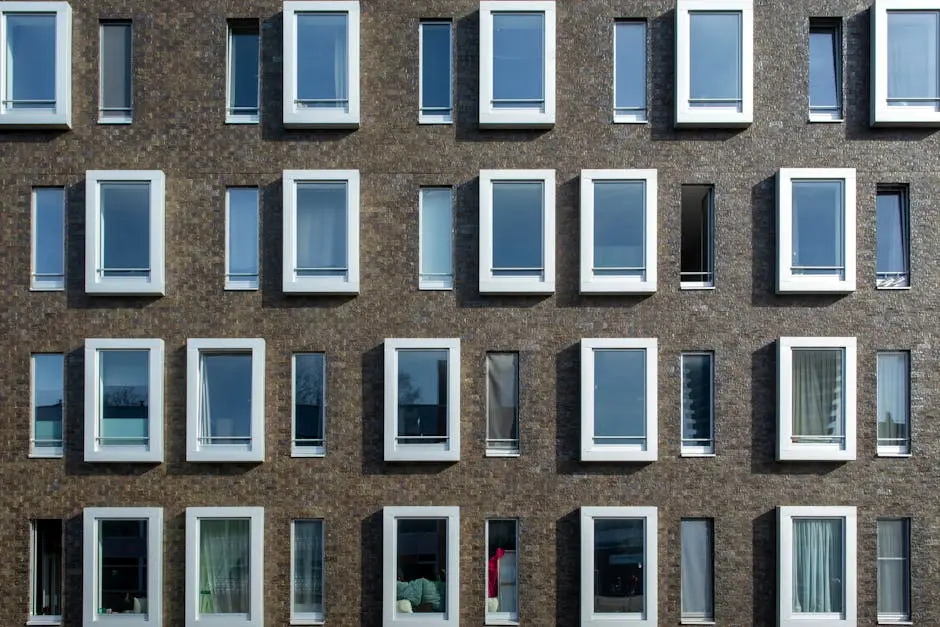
(764, 570)
(370, 567)
(567, 566)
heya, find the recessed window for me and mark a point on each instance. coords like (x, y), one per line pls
(630, 71)
(502, 404)
(502, 568)
(36, 40)
(698, 404)
(893, 236)
(825, 70)
(697, 254)
(436, 84)
(123, 400)
(321, 64)
(307, 572)
(45, 592)
(698, 570)
(618, 400)
(225, 400)
(48, 226)
(243, 85)
(436, 234)
(48, 404)
(309, 405)
(894, 570)
(618, 231)
(241, 238)
(116, 87)
(894, 402)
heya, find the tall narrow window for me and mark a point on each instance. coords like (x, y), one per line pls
(436, 232)
(48, 371)
(825, 70)
(894, 403)
(241, 238)
(502, 565)
(48, 205)
(894, 570)
(698, 404)
(243, 86)
(502, 404)
(892, 233)
(698, 575)
(630, 71)
(116, 105)
(309, 404)
(46, 573)
(697, 264)
(307, 571)
(436, 90)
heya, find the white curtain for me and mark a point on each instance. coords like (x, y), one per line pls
(501, 401)
(205, 407)
(340, 66)
(696, 569)
(321, 227)
(224, 567)
(892, 567)
(308, 566)
(817, 392)
(817, 566)
(892, 396)
(912, 55)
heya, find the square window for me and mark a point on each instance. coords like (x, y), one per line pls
(116, 74)
(698, 404)
(36, 64)
(321, 64)
(48, 235)
(817, 566)
(502, 404)
(619, 581)
(225, 400)
(307, 570)
(630, 71)
(517, 231)
(422, 400)
(894, 403)
(436, 234)
(421, 582)
(241, 238)
(502, 571)
(309, 405)
(816, 415)
(124, 237)
(123, 400)
(321, 231)
(46, 572)
(243, 86)
(225, 566)
(825, 70)
(697, 256)
(698, 570)
(894, 570)
(618, 231)
(618, 400)
(517, 64)
(816, 230)
(893, 237)
(123, 566)
(435, 76)
(47, 380)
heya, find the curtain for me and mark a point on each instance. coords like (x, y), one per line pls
(205, 407)
(817, 392)
(308, 566)
(224, 566)
(501, 397)
(321, 228)
(696, 568)
(892, 567)
(340, 66)
(817, 565)
(912, 55)
(892, 396)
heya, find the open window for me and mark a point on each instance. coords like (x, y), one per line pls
(502, 404)
(309, 424)
(892, 237)
(45, 572)
(697, 256)
(825, 70)
(307, 572)
(47, 377)
(698, 404)
(502, 571)
(894, 403)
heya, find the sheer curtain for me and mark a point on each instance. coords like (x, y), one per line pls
(912, 56)
(501, 398)
(340, 66)
(205, 407)
(696, 569)
(224, 567)
(321, 229)
(892, 568)
(892, 396)
(308, 566)
(817, 566)
(817, 393)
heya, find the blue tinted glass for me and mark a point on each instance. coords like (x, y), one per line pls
(630, 65)
(225, 404)
(715, 56)
(824, 85)
(619, 565)
(125, 228)
(912, 55)
(243, 231)
(308, 397)
(436, 232)
(519, 58)
(891, 233)
(31, 60)
(620, 395)
(422, 394)
(243, 90)
(321, 227)
(517, 227)
(435, 66)
(48, 398)
(619, 232)
(125, 397)
(322, 60)
(50, 230)
(696, 398)
(818, 209)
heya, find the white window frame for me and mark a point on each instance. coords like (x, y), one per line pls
(717, 116)
(787, 450)
(649, 617)
(62, 116)
(632, 116)
(307, 618)
(499, 618)
(785, 518)
(592, 452)
(426, 282)
(492, 284)
(151, 453)
(624, 284)
(128, 114)
(155, 284)
(787, 281)
(254, 450)
(45, 451)
(898, 449)
(231, 117)
(298, 117)
(491, 117)
(47, 283)
(91, 531)
(294, 284)
(390, 518)
(305, 451)
(255, 516)
(706, 450)
(44, 619)
(238, 281)
(444, 117)
(881, 113)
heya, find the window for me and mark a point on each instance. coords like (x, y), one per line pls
(517, 231)
(894, 570)
(48, 205)
(45, 593)
(893, 235)
(894, 403)
(825, 70)
(225, 400)
(422, 400)
(123, 569)
(905, 58)
(816, 230)
(436, 84)
(698, 570)
(698, 404)
(502, 404)
(817, 565)
(618, 231)
(241, 238)
(517, 63)
(47, 379)
(243, 86)
(321, 231)
(816, 419)
(421, 583)
(306, 590)
(321, 64)
(309, 405)
(619, 580)
(116, 95)
(225, 566)
(123, 400)
(36, 64)
(629, 71)
(714, 62)
(124, 232)
(436, 232)
(618, 400)
(697, 257)
(502, 568)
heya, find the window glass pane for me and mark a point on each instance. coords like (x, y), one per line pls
(116, 69)
(697, 574)
(50, 231)
(125, 229)
(619, 564)
(620, 397)
(422, 396)
(818, 414)
(630, 67)
(518, 59)
(322, 65)
(225, 403)
(501, 567)
(308, 567)
(224, 566)
(715, 58)
(31, 50)
(123, 566)
(502, 400)
(891, 234)
(818, 223)
(243, 79)
(125, 397)
(912, 58)
(437, 238)
(818, 559)
(824, 59)
(421, 566)
(894, 573)
(243, 232)
(696, 244)
(47, 568)
(893, 399)
(619, 228)
(697, 403)
(435, 67)
(517, 228)
(308, 399)
(321, 229)
(48, 397)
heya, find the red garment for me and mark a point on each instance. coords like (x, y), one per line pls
(492, 579)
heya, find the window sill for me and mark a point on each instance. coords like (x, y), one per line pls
(629, 119)
(47, 286)
(421, 453)
(230, 457)
(889, 288)
(52, 454)
(125, 456)
(440, 120)
(44, 620)
(502, 453)
(305, 119)
(307, 621)
(703, 118)
(600, 455)
(890, 455)
(617, 286)
(242, 119)
(823, 118)
(695, 286)
(694, 454)
(500, 621)
(890, 621)
(314, 451)
(125, 287)
(520, 119)
(787, 285)
(302, 286)
(904, 116)
(241, 286)
(511, 285)
(436, 287)
(815, 455)
(696, 621)
(37, 120)
(115, 121)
